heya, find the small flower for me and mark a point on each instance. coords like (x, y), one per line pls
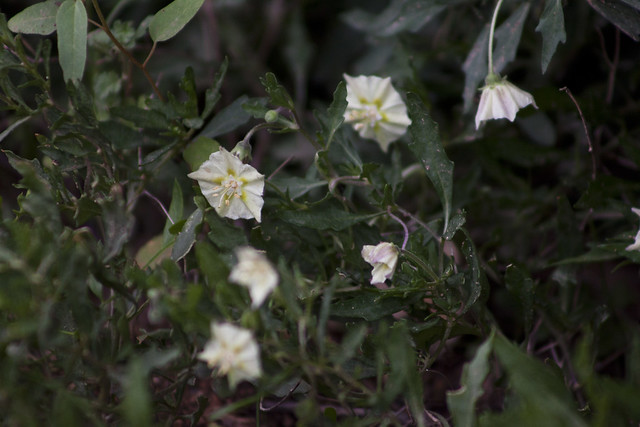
(383, 257)
(635, 246)
(234, 351)
(255, 272)
(501, 99)
(233, 188)
(375, 109)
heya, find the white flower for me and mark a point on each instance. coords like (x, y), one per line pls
(501, 99)
(375, 109)
(383, 257)
(255, 272)
(635, 246)
(233, 188)
(234, 351)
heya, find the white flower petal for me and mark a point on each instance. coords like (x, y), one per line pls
(501, 100)
(635, 246)
(234, 352)
(383, 258)
(233, 188)
(375, 109)
(255, 272)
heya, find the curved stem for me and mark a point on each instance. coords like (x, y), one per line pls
(491, 31)
(105, 27)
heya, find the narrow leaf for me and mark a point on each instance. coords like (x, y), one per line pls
(39, 18)
(426, 146)
(187, 236)
(172, 18)
(462, 402)
(334, 117)
(71, 21)
(623, 14)
(551, 26)
(277, 93)
(229, 118)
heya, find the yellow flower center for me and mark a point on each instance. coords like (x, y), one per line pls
(230, 187)
(368, 116)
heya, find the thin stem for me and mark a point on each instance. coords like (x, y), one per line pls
(105, 27)
(586, 132)
(491, 31)
(404, 227)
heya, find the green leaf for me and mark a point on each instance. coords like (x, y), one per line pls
(212, 94)
(71, 21)
(296, 186)
(551, 26)
(541, 391)
(172, 18)
(475, 68)
(187, 236)
(150, 119)
(277, 93)
(507, 38)
(176, 210)
(199, 150)
(334, 117)
(426, 146)
(228, 119)
(623, 14)
(39, 18)
(367, 305)
(478, 280)
(327, 217)
(521, 285)
(398, 16)
(462, 402)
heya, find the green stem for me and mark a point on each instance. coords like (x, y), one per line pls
(491, 31)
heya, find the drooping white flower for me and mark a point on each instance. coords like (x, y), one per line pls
(635, 246)
(501, 99)
(233, 188)
(234, 351)
(375, 109)
(255, 272)
(383, 257)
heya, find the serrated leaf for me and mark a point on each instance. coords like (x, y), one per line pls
(426, 146)
(277, 93)
(71, 22)
(39, 18)
(169, 20)
(187, 237)
(551, 26)
(212, 95)
(462, 402)
(623, 14)
(334, 116)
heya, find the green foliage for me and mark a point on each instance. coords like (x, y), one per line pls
(513, 299)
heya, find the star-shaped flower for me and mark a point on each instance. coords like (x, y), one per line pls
(375, 109)
(255, 272)
(234, 351)
(383, 257)
(233, 188)
(501, 99)
(635, 246)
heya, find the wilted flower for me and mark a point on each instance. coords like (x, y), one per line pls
(255, 272)
(383, 257)
(375, 109)
(635, 246)
(501, 99)
(234, 351)
(233, 188)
